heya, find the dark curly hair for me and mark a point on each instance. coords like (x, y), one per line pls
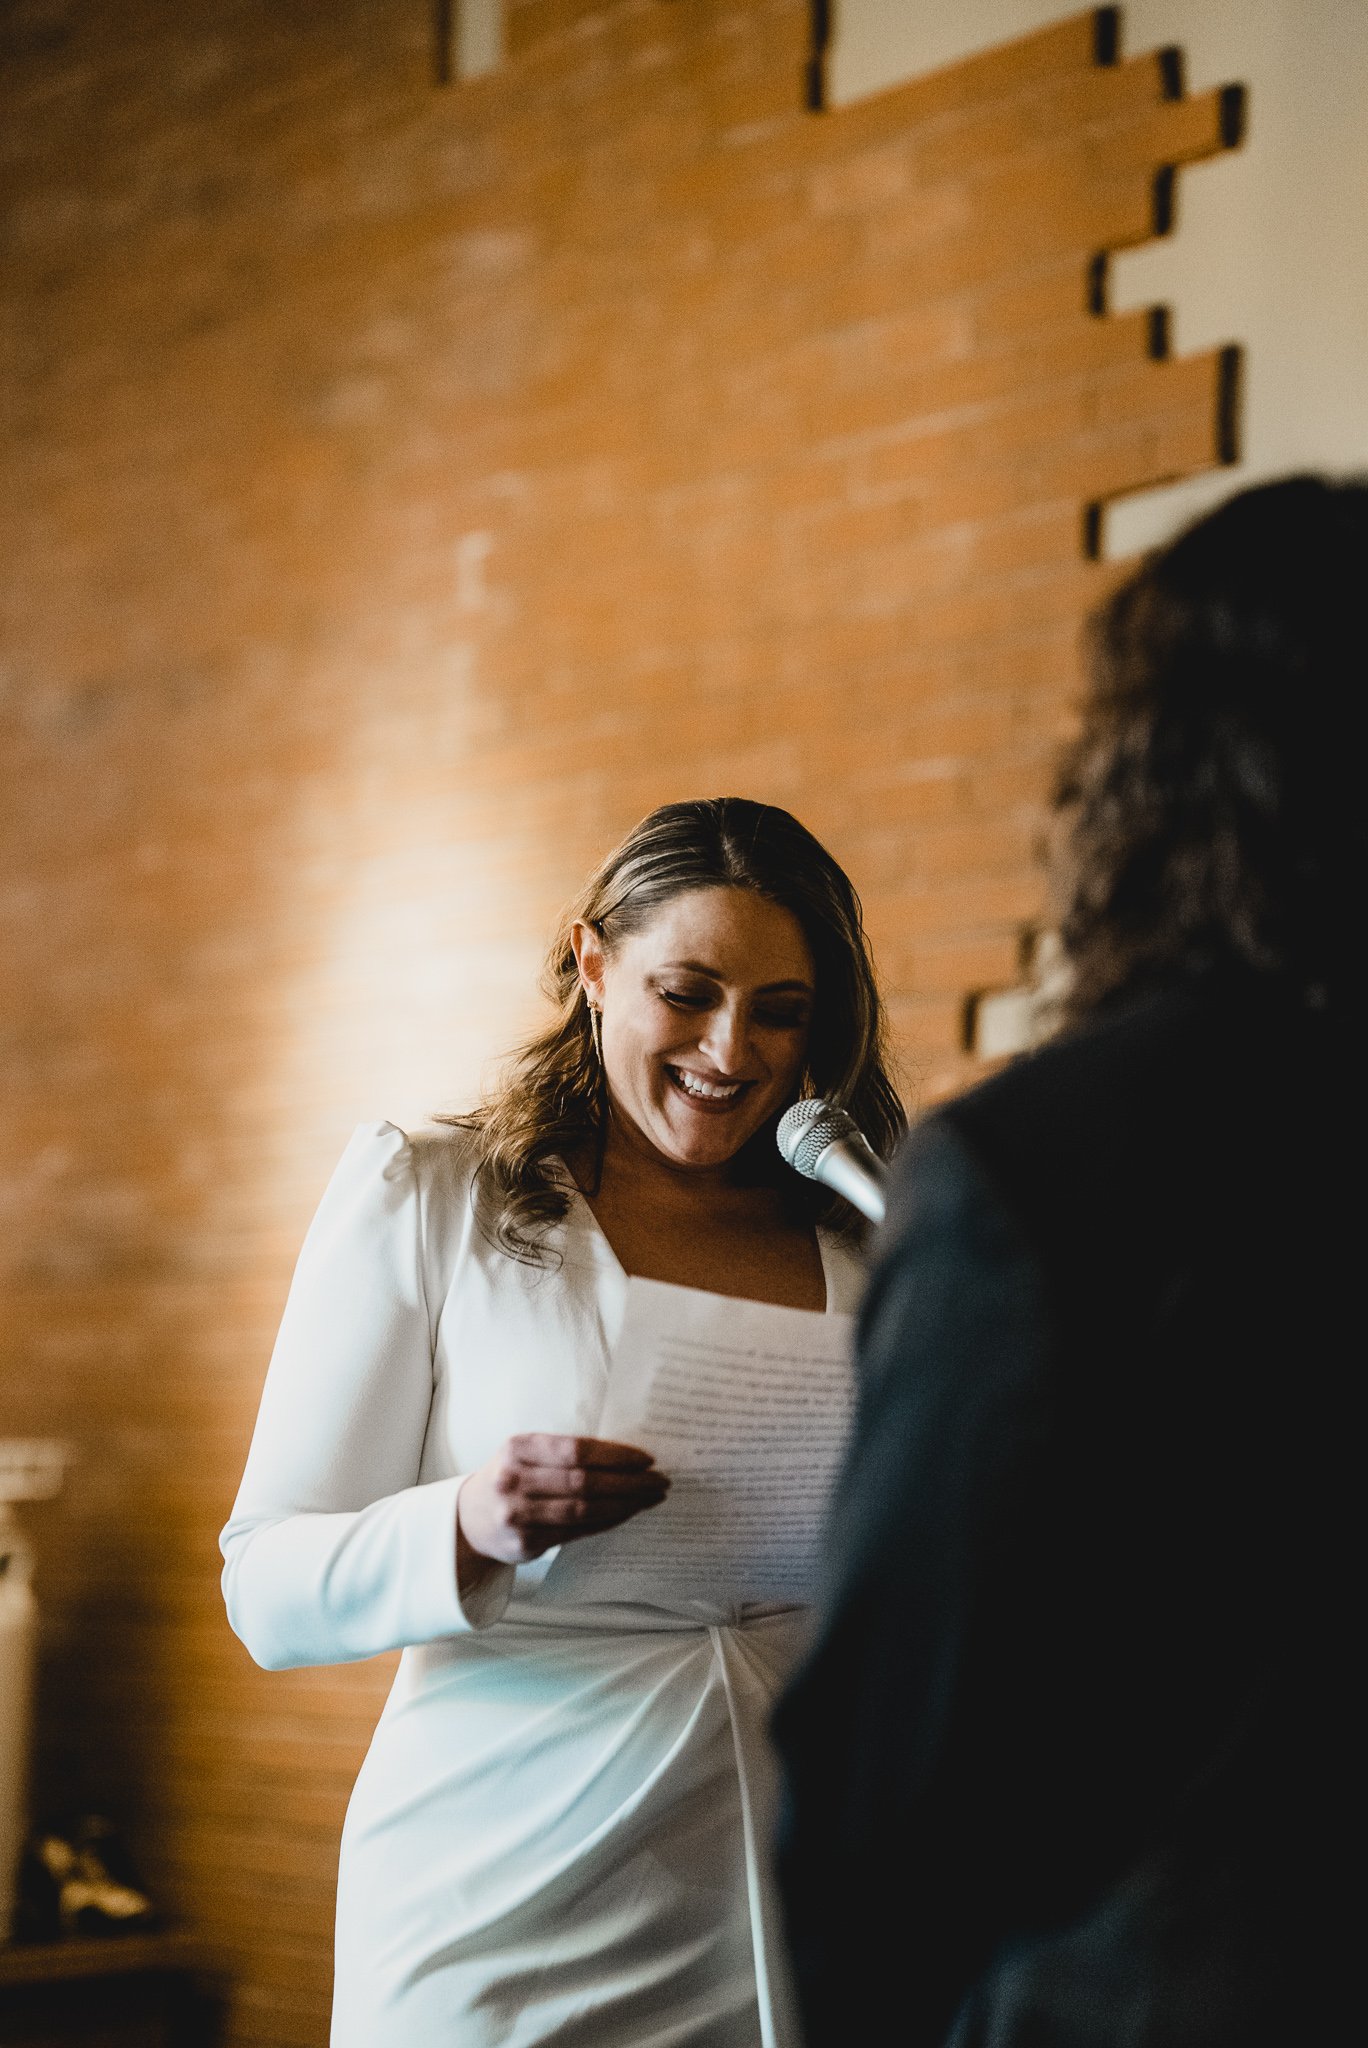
(552, 1100)
(1212, 811)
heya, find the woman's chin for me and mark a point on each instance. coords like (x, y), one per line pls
(687, 1137)
(701, 1143)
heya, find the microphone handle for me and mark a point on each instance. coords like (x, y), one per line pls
(850, 1168)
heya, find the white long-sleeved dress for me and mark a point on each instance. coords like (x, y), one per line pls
(560, 1831)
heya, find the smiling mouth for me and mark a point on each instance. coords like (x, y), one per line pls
(707, 1094)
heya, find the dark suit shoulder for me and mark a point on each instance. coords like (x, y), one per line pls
(1101, 1086)
(1203, 1130)
(1154, 1108)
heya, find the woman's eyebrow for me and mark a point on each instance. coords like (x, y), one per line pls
(770, 988)
(688, 967)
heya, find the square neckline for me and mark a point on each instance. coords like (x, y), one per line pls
(600, 1237)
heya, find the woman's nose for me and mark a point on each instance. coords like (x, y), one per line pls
(726, 1041)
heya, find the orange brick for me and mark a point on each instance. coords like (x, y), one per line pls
(1079, 101)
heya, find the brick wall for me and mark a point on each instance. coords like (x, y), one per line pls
(408, 487)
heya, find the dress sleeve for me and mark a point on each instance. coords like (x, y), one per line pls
(334, 1551)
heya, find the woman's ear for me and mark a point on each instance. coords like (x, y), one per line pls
(589, 958)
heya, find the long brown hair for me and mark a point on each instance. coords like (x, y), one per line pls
(1211, 810)
(553, 1102)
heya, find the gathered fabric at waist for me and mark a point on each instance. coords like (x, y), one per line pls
(620, 1617)
(559, 1650)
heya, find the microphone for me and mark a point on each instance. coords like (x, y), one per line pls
(825, 1144)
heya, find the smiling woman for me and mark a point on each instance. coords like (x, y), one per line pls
(705, 1018)
(691, 880)
(726, 1031)
(559, 1831)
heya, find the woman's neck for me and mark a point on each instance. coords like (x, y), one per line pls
(632, 1170)
(700, 1227)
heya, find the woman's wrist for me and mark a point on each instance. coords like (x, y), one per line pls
(483, 1584)
(473, 1567)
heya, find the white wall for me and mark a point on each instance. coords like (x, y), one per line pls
(1271, 243)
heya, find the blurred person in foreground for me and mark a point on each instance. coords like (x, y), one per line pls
(1074, 1762)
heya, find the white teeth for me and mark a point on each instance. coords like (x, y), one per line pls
(708, 1091)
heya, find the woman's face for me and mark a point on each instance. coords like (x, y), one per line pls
(705, 1014)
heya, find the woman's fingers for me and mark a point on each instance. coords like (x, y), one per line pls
(582, 1517)
(599, 1507)
(551, 1482)
(539, 1449)
(542, 1489)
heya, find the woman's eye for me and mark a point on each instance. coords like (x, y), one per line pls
(678, 1000)
(783, 1020)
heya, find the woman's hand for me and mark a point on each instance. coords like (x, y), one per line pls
(542, 1490)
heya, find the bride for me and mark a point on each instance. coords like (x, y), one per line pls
(559, 1833)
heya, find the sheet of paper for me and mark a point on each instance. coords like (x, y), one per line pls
(747, 1408)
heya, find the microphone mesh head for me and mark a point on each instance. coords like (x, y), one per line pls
(807, 1129)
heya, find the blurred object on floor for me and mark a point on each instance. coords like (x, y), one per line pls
(79, 1880)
